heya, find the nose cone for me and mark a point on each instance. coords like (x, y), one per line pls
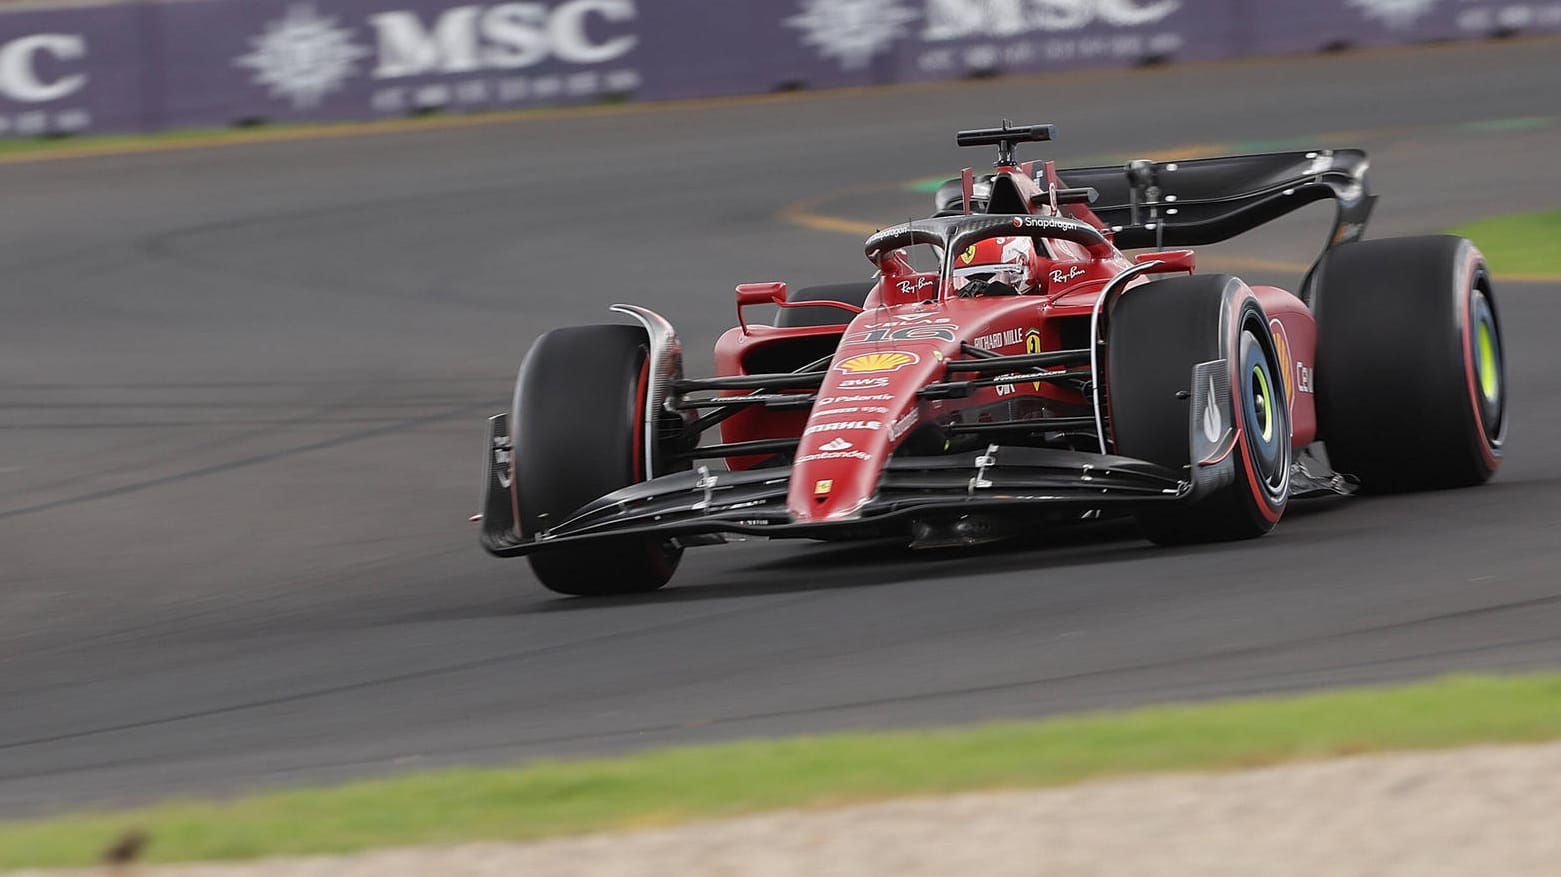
(865, 405)
(837, 466)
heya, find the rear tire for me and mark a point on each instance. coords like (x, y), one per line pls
(1158, 333)
(1411, 383)
(578, 430)
(854, 294)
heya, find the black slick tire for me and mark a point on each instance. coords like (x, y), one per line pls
(1411, 381)
(578, 433)
(854, 294)
(1158, 333)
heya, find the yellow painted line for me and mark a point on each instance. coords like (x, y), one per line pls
(832, 223)
(176, 141)
(805, 212)
(1251, 263)
(1184, 153)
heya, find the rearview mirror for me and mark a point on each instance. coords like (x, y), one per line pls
(1170, 260)
(760, 294)
(772, 293)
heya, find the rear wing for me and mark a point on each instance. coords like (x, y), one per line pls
(1208, 200)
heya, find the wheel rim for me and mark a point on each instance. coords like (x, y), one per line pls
(1263, 403)
(1490, 378)
(1264, 415)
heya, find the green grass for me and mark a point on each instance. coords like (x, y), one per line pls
(1521, 244)
(28, 145)
(683, 784)
(92, 144)
(26, 148)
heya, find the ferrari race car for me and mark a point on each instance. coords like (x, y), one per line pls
(1032, 374)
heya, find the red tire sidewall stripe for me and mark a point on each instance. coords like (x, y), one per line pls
(1264, 506)
(640, 426)
(1466, 304)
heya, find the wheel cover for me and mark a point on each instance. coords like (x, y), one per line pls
(1263, 415)
(1490, 378)
(1262, 398)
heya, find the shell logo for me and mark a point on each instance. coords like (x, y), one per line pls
(867, 363)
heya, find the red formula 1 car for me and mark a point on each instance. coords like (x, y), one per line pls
(1033, 373)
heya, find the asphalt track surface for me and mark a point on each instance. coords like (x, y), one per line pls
(242, 401)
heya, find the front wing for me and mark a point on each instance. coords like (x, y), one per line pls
(687, 505)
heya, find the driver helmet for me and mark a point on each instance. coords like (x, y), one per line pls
(1003, 260)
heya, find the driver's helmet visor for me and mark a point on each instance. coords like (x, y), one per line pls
(1002, 260)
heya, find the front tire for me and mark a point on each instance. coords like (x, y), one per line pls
(1411, 380)
(578, 427)
(1158, 334)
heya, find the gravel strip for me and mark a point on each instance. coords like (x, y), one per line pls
(1483, 810)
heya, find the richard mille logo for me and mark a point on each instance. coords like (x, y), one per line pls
(852, 31)
(302, 56)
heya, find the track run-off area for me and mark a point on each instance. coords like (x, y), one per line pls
(242, 403)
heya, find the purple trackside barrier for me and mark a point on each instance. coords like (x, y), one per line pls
(960, 38)
(73, 70)
(1325, 24)
(154, 64)
(831, 43)
(296, 60)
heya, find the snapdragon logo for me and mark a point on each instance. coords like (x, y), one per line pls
(959, 19)
(852, 31)
(1396, 14)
